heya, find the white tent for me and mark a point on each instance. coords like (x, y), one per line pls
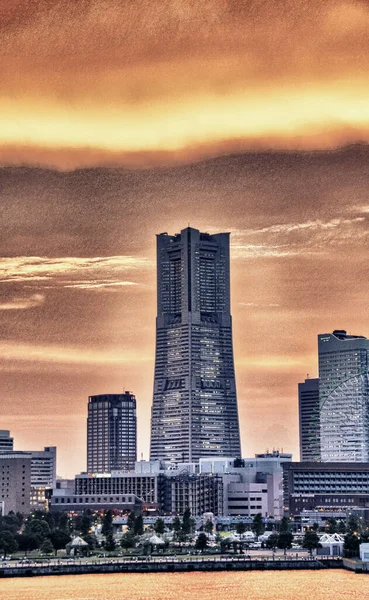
(333, 542)
(78, 542)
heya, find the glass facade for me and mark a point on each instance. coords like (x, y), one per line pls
(194, 411)
(344, 397)
(309, 420)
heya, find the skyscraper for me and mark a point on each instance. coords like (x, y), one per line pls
(309, 420)
(6, 442)
(194, 412)
(344, 397)
(111, 433)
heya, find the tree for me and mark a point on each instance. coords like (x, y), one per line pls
(224, 544)
(272, 541)
(63, 523)
(59, 539)
(284, 525)
(353, 525)
(310, 541)
(341, 528)
(331, 525)
(38, 527)
(351, 546)
(138, 528)
(208, 527)
(107, 524)
(315, 526)
(47, 547)
(28, 542)
(127, 540)
(201, 542)
(8, 543)
(110, 543)
(159, 526)
(187, 522)
(285, 540)
(82, 524)
(240, 528)
(258, 524)
(131, 518)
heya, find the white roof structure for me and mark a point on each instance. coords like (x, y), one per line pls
(331, 538)
(156, 540)
(78, 541)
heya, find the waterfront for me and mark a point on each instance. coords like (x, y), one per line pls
(291, 585)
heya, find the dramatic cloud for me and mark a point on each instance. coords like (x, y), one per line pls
(143, 81)
(22, 303)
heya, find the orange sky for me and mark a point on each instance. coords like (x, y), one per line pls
(234, 112)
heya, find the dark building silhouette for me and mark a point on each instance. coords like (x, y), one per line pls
(309, 420)
(194, 411)
(111, 433)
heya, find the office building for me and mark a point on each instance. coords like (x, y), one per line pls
(6, 442)
(344, 397)
(194, 412)
(15, 482)
(309, 420)
(332, 488)
(43, 476)
(111, 432)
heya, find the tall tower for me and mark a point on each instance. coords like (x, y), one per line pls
(111, 433)
(194, 412)
(309, 420)
(344, 397)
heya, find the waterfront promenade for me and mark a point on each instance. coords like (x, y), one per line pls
(164, 564)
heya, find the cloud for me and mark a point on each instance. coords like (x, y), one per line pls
(23, 303)
(69, 355)
(99, 273)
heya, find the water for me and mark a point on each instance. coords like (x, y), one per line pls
(276, 585)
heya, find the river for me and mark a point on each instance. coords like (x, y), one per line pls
(276, 585)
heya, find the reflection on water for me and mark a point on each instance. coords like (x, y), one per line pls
(278, 585)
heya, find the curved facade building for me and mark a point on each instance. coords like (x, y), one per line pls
(194, 412)
(344, 397)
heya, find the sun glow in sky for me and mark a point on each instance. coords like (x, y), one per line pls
(243, 116)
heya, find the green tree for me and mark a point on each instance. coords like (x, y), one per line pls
(82, 524)
(351, 546)
(331, 525)
(201, 542)
(187, 522)
(47, 547)
(63, 523)
(272, 541)
(138, 528)
(38, 527)
(131, 518)
(315, 527)
(59, 539)
(28, 542)
(353, 525)
(110, 543)
(127, 540)
(240, 528)
(284, 525)
(208, 527)
(310, 541)
(258, 524)
(159, 526)
(107, 524)
(341, 528)
(8, 543)
(224, 544)
(285, 540)
(177, 526)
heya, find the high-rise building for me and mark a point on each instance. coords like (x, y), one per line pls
(344, 397)
(309, 420)
(6, 442)
(194, 411)
(111, 432)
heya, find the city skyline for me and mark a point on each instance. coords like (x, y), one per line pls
(121, 120)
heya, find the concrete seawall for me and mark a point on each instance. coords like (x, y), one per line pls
(164, 566)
